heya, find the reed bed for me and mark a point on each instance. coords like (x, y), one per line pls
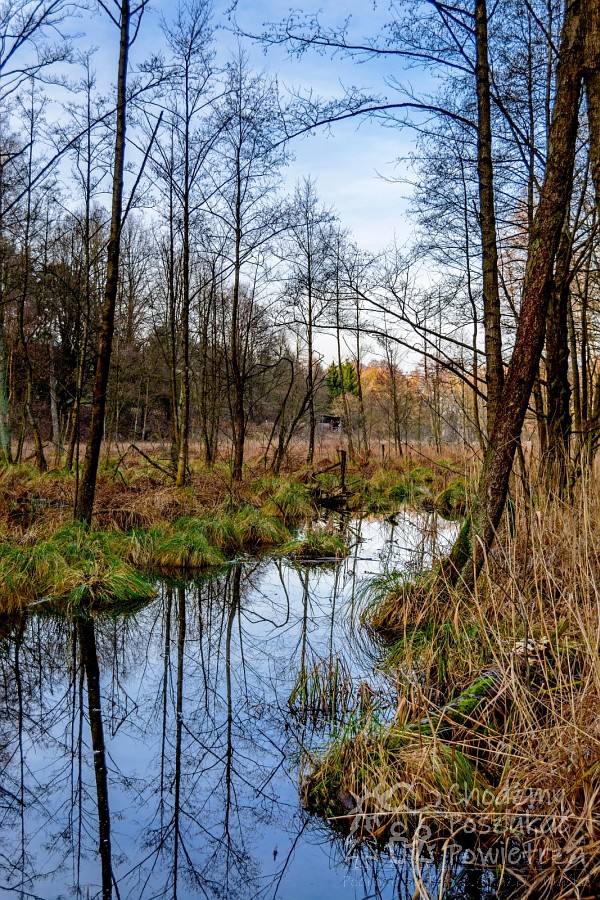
(495, 739)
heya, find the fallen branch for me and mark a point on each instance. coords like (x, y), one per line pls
(152, 463)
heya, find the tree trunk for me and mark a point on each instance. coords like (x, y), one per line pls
(54, 415)
(544, 239)
(85, 500)
(5, 449)
(540, 415)
(558, 388)
(485, 170)
(184, 421)
(237, 367)
(310, 386)
(184, 397)
(591, 17)
(40, 459)
(89, 659)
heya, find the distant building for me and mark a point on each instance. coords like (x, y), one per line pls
(330, 423)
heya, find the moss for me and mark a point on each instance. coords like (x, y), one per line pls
(461, 552)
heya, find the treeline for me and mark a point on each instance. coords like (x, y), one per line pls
(225, 285)
(53, 292)
(198, 305)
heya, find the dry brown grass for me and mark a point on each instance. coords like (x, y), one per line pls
(527, 765)
(132, 493)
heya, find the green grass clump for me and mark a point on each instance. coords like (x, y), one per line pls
(202, 542)
(257, 531)
(395, 601)
(291, 500)
(388, 773)
(384, 480)
(315, 545)
(442, 653)
(184, 546)
(416, 484)
(421, 476)
(327, 482)
(452, 501)
(74, 567)
(220, 528)
(400, 492)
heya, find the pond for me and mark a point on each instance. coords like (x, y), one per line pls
(169, 734)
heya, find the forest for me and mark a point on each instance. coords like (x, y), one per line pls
(276, 505)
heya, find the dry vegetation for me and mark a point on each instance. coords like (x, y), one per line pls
(494, 740)
(144, 523)
(496, 737)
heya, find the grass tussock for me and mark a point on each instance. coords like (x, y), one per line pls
(74, 568)
(323, 692)
(202, 542)
(316, 545)
(513, 762)
(291, 500)
(395, 603)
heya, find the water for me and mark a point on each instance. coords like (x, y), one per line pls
(200, 786)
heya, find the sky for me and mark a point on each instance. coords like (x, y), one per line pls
(352, 162)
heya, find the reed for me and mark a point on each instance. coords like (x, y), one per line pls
(495, 740)
(323, 692)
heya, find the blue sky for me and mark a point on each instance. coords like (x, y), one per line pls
(344, 161)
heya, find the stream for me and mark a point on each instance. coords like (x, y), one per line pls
(186, 702)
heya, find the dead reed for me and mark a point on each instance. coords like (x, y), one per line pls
(495, 741)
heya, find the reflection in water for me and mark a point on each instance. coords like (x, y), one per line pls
(86, 633)
(152, 756)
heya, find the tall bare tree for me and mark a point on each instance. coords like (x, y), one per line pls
(122, 15)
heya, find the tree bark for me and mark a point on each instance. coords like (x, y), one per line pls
(558, 388)
(487, 216)
(184, 421)
(89, 659)
(84, 507)
(5, 448)
(591, 17)
(237, 365)
(544, 239)
(540, 414)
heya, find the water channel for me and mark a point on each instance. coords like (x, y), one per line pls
(190, 713)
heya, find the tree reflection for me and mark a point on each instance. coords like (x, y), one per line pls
(152, 756)
(89, 660)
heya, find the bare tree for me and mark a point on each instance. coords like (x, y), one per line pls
(122, 16)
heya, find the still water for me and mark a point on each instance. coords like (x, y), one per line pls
(168, 733)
